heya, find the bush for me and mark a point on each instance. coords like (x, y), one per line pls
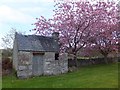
(6, 53)
(6, 64)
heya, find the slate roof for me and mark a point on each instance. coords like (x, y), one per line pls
(36, 43)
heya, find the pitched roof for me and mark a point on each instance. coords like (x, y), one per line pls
(36, 43)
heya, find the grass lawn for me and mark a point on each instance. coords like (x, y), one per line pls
(96, 76)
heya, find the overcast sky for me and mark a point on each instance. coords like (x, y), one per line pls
(20, 14)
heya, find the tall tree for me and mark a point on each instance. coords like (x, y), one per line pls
(73, 21)
(76, 22)
(104, 35)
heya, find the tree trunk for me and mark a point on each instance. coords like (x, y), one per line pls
(106, 59)
(76, 61)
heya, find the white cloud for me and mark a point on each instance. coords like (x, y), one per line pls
(20, 14)
(38, 11)
(8, 14)
(26, 1)
(33, 9)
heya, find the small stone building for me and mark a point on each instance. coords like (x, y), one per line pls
(35, 55)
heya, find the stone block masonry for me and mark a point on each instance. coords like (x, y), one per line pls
(50, 65)
(24, 69)
(55, 67)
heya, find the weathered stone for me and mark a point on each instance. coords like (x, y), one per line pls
(50, 66)
(30, 67)
(22, 67)
(30, 73)
(21, 73)
(57, 66)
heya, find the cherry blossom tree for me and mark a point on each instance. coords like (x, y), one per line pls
(78, 23)
(105, 29)
(73, 21)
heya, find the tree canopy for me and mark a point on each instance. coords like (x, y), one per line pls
(82, 24)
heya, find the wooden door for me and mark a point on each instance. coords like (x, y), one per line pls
(37, 67)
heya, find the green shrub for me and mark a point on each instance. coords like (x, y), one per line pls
(6, 63)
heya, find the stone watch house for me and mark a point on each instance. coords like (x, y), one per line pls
(35, 55)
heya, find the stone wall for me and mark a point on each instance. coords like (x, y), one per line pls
(24, 64)
(86, 62)
(50, 65)
(118, 59)
(55, 67)
(15, 55)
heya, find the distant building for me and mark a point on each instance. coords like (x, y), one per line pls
(35, 55)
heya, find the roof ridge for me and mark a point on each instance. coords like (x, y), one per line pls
(39, 36)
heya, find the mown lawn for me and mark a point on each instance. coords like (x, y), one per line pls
(96, 76)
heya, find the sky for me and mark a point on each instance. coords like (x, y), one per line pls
(20, 14)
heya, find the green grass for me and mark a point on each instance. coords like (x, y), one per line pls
(96, 76)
